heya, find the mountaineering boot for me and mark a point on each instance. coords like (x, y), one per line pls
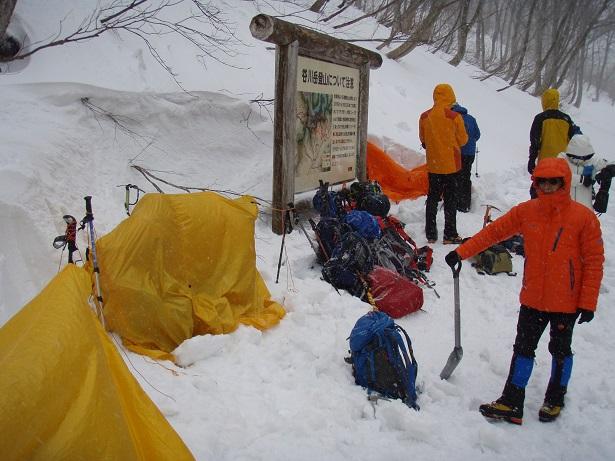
(452, 240)
(561, 368)
(502, 410)
(549, 412)
(509, 407)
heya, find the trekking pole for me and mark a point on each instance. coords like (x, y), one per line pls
(320, 243)
(312, 244)
(476, 164)
(455, 357)
(286, 228)
(89, 220)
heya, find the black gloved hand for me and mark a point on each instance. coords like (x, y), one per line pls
(601, 201)
(586, 316)
(531, 164)
(587, 181)
(452, 259)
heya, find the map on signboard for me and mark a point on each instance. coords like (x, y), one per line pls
(326, 123)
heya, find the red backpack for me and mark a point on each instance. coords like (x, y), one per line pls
(394, 294)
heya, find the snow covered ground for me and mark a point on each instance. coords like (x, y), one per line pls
(287, 393)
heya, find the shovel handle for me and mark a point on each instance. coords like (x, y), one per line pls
(456, 268)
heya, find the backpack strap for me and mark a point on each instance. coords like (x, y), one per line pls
(410, 365)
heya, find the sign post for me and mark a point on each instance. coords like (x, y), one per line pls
(320, 116)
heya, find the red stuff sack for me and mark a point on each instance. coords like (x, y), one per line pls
(394, 294)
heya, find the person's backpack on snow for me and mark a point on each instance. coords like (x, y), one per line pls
(382, 358)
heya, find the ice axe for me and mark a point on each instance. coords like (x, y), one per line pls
(457, 353)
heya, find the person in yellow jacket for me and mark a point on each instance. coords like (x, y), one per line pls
(442, 133)
(550, 133)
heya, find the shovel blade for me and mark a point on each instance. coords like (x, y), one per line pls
(452, 362)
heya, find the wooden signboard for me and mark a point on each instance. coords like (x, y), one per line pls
(320, 118)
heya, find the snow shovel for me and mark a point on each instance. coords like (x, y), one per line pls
(457, 353)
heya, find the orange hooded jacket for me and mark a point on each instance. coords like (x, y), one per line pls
(442, 132)
(564, 253)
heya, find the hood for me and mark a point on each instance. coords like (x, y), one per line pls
(553, 168)
(443, 95)
(460, 109)
(550, 99)
(580, 146)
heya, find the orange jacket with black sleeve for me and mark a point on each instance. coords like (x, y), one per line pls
(442, 132)
(564, 253)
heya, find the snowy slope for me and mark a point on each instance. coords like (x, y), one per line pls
(287, 393)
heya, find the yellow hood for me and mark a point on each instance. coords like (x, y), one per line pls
(550, 99)
(443, 95)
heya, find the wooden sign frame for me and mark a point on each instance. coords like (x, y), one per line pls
(292, 40)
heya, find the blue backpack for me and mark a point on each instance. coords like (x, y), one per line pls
(328, 202)
(364, 223)
(381, 360)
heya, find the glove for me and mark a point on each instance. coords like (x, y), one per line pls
(586, 316)
(586, 177)
(601, 201)
(452, 259)
(423, 145)
(606, 174)
(531, 164)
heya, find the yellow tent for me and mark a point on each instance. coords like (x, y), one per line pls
(183, 265)
(65, 392)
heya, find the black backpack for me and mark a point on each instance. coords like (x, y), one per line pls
(351, 260)
(375, 204)
(329, 234)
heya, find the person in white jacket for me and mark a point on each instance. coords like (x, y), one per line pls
(584, 166)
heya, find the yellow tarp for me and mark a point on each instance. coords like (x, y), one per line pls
(183, 265)
(397, 182)
(65, 393)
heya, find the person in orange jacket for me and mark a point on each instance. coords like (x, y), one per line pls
(442, 133)
(564, 255)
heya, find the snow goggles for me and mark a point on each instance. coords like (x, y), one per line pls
(552, 181)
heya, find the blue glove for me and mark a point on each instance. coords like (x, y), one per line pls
(586, 177)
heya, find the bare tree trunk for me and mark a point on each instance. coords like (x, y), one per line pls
(6, 11)
(600, 78)
(464, 30)
(318, 5)
(524, 46)
(580, 77)
(423, 32)
(8, 45)
(479, 47)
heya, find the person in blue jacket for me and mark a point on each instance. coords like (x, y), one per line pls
(468, 154)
